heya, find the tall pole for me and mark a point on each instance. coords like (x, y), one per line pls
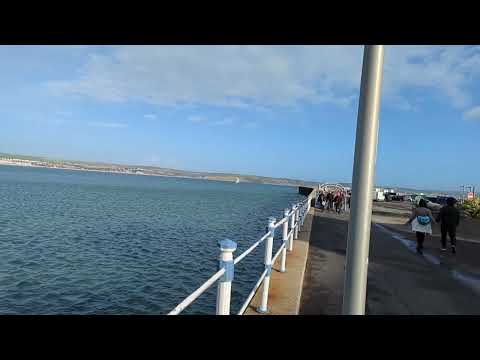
(363, 181)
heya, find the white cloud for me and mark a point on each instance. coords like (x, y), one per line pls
(448, 70)
(107, 124)
(472, 114)
(150, 116)
(241, 76)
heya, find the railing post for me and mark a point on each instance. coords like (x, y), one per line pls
(297, 223)
(263, 308)
(224, 289)
(304, 210)
(292, 226)
(300, 216)
(285, 242)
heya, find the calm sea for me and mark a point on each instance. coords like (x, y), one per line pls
(74, 242)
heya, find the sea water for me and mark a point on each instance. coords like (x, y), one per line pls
(78, 242)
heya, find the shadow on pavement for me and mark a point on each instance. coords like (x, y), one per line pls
(323, 282)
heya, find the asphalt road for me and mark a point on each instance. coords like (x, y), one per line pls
(400, 282)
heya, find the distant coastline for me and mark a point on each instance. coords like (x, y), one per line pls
(43, 162)
(37, 162)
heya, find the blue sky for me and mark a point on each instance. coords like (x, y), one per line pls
(283, 111)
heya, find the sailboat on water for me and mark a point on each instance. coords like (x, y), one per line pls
(237, 181)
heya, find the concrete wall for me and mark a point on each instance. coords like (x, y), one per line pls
(303, 190)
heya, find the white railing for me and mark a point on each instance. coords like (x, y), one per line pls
(293, 219)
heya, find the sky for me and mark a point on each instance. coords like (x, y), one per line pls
(280, 111)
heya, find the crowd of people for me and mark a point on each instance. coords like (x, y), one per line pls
(421, 219)
(330, 200)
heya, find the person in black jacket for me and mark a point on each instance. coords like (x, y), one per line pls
(320, 201)
(449, 217)
(329, 201)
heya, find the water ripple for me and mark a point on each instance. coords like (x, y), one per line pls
(92, 243)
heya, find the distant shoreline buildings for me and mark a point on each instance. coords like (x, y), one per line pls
(145, 171)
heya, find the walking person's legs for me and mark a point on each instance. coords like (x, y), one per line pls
(443, 230)
(420, 239)
(453, 240)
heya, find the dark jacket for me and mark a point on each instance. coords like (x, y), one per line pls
(449, 216)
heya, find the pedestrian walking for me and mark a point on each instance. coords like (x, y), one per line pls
(320, 201)
(449, 219)
(338, 202)
(421, 221)
(329, 200)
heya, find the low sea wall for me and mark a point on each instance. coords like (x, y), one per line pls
(305, 190)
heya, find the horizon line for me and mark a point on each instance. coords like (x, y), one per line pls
(220, 173)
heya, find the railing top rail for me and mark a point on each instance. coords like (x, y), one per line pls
(250, 249)
(193, 296)
(280, 222)
(199, 291)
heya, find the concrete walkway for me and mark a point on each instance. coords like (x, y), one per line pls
(286, 288)
(399, 281)
(323, 284)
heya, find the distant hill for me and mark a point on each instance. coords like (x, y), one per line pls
(158, 171)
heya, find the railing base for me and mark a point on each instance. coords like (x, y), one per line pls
(260, 311)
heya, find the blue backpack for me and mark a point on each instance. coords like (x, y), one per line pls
(423, 220)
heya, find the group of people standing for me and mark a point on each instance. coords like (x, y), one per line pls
(422, 220)
(330, 200)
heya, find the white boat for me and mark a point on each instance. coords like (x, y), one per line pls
(237, 181)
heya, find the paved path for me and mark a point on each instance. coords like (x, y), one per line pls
(286, 288)
(323, 283)
(399, 281)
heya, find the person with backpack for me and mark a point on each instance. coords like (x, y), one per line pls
(421, 220)
(449, 218)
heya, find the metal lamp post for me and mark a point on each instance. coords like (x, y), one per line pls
(363, 181)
